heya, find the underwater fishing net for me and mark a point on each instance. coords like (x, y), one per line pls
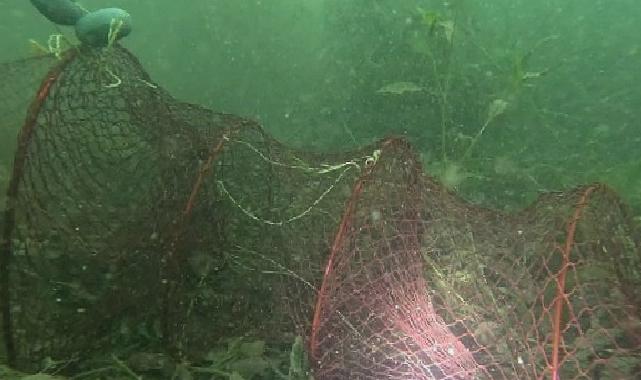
(137, 223)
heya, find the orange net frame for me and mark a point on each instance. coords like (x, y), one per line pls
(140, 222)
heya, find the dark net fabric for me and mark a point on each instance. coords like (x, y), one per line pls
(139, 222)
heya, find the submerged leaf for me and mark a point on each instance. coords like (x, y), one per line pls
(496, 108)
(399, 88)
(236, 376)
(451, 174)
(448, 29)
(253, 349)
(429, 18)
(297, 361)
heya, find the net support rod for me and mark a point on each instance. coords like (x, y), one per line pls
(338, 240)
(561, 298)
(20, 158)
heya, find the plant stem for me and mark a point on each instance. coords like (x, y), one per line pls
(476, 138)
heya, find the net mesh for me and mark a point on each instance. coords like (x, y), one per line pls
(137, 221)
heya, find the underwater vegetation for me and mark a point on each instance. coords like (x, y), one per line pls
(476, 85)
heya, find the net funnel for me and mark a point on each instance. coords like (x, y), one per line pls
(136, 223)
